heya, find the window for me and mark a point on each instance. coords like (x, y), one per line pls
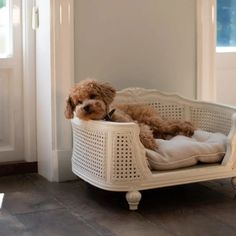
(226, 25)
(5, 29)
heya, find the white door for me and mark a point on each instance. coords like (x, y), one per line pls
(11, 100)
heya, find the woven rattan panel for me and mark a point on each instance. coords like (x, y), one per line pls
(169, 110)
(212, 121)
(124, 166)
(89, 154)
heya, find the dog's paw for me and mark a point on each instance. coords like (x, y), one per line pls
(149, 143)
(153, 145)
(187, 129)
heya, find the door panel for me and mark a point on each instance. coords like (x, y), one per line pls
(11, 102)
(4, 108)
(11, 125)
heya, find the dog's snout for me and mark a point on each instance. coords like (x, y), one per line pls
(87, 108)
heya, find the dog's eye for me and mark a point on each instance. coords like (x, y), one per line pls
(93, 96)
(79, 102)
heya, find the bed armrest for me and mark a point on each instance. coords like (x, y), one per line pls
(230, 156)
(108, 152)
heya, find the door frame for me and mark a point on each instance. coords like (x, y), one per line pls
(206, 45)
(54, 78)
(29, 82)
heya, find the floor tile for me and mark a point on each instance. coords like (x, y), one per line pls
(58, 222)
(191, 222)
(10, 225)
(34, 206)
(15, 183)
(224, 212)
(29, 201)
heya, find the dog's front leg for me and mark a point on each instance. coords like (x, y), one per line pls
(146, 137)
(163, 128)
(177, 127)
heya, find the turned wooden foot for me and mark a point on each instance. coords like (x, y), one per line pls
(233, 181)
(133, 198)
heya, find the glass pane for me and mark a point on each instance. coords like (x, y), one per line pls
(5, 28)
(226, 23)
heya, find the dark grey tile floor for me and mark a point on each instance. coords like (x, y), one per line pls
(33, 206)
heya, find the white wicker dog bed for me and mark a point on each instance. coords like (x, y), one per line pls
(109, 155)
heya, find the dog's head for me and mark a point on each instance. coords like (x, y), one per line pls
(90, 99)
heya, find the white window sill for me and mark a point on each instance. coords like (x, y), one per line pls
(225, 49)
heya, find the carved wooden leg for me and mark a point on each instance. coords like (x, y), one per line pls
(233, 181)
(133, 198)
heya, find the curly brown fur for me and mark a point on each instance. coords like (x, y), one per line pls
(92, 100)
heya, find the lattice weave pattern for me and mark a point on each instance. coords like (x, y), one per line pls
(124, 167)
(210, 120)
(169, 110)
(89, 152)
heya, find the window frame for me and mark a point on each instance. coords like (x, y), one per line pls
(9, 52)
(226, 48)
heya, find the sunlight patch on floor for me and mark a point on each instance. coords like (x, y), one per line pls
(1, 199)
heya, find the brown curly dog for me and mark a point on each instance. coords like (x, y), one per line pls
(92, 100)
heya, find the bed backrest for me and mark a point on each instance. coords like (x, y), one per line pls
(211, 117)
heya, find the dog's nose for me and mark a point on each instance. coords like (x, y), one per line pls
(87, 108)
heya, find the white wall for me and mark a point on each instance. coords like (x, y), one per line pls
(147, 43)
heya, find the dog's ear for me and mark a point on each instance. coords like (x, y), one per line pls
(70, 107)
(108, 92)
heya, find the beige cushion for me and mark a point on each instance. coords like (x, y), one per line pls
(182, 151)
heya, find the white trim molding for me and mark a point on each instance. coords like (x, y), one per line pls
(206, 46)
(29, 82)
(55, 76)
(62, 81)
